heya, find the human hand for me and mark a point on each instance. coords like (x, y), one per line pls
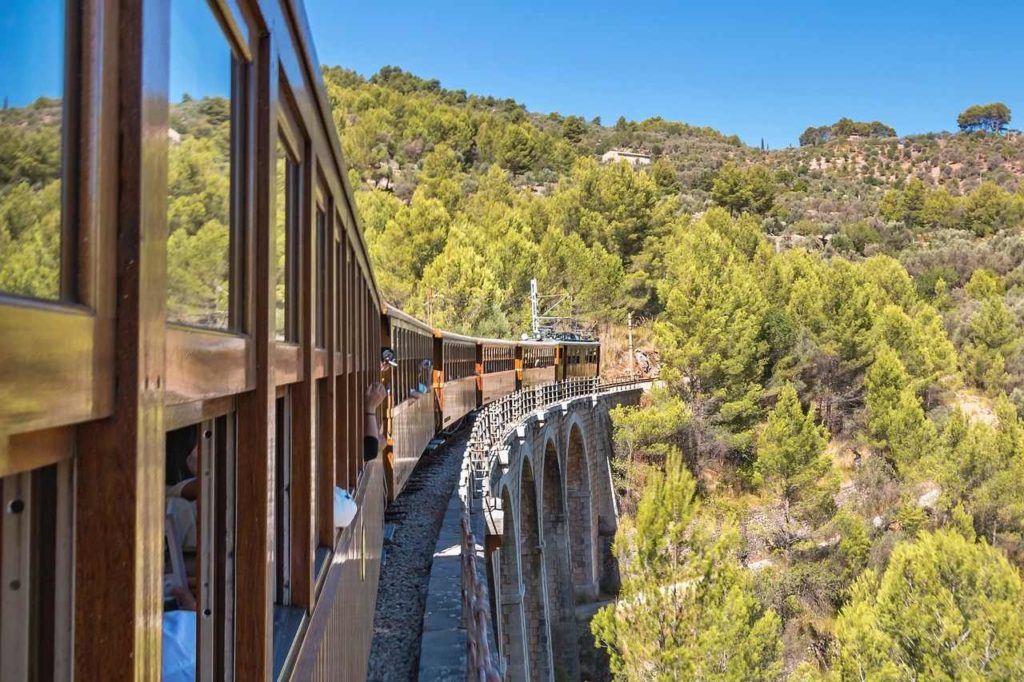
(375, 395)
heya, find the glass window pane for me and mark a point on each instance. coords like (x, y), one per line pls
(199, 168)
(31, 123)
(320, 280)
(282, 243)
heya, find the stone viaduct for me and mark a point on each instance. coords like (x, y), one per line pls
(549, 517)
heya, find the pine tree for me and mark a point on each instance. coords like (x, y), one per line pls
(409, 242)
(983, 285)
(752, 189)
(686, 610)
(994, 339)
(989, 209)
(986, 465)
(459, 292)
(711, 331)
(896, 420)
(941, 211)
(946, 608)
(791, 457)
(913, 202)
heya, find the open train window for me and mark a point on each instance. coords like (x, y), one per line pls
(203, 140)
(323, 481)
(459, 360)
(37, 175)
(537, 357)
(498, 359)
(199, 547)
(342, 273)
(36, 573)
(287, 618)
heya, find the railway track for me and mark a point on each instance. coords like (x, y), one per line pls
(416, 515)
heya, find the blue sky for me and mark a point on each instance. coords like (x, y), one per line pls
(31, 49)
(757, 69)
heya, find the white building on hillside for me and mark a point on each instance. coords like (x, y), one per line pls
(630, 157)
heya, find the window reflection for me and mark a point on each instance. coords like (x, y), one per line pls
(320, 280)
(31, 125)
(199, 168)
(284, 206)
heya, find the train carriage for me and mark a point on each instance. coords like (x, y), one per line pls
(455, 371)
(127, 380)
(414, 413)
(497, 369)
(127, 372)
(538, 362)
(578, 359)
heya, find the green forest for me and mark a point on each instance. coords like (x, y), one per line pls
(197, 207)
(30, 199)
(825, 485)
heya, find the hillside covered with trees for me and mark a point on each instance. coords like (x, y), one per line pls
(826, 484)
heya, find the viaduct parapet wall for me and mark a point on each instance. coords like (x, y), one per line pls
(543, 487)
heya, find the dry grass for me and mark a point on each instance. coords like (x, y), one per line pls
(976, 407)
(615, 348)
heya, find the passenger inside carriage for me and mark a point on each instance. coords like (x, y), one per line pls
(183, 490)
(423, 381)
(180, 533)
(178, 661)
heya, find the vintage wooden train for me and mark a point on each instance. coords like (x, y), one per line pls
(187, 303)
(467, 373)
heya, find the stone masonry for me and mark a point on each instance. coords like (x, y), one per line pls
(550, 516)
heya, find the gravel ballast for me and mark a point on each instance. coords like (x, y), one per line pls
(417, 515)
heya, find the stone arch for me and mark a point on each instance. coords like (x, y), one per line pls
(582, 514)
(531, 563)
(561, 601)
(599, 450)
(511, 628)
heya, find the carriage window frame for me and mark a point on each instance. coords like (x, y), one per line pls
(216, 541)
(498, 358)
(37, 571)
(287, 618)
(286, 329)
(238, 160)
(291, 142)
(459, 359)
(412, 346)
(321, 460)
(321, 247)
(538, 357)
(85, 277)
